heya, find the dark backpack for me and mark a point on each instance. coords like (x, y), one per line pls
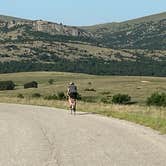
(72, 89)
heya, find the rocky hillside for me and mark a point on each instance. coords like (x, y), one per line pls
(135, 47)
(8, 23)
(142, 33)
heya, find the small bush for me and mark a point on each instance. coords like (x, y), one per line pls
(89, 99)
(78, 96)
(32, 84)
(36, 95)
(89, 83)
(105, 93)
(51, 81)
(7, 85)
(157, 99)
(105, 100)
(90, 89)
(21, 96)
(51, 97)
(61, 96)
(121, 99)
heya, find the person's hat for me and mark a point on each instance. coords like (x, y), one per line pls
(71, 83)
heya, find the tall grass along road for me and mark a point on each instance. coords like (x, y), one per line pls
(43, 136)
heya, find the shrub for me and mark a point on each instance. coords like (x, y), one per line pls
(157, 99)
(32, 84)
(51, 81)
(78, 96)
(121, 99)
(90, 89)
(89, 83)
(105, 93)
(61, 96)
(105, 100)
(36, 95)
(51, 97)
(89, 99)
(7, 85)
(21, 96)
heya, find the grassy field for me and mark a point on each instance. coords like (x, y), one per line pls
(139, 88)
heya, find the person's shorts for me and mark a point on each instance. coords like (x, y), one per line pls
(73, 95)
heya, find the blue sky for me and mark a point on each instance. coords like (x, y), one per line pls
(81, 12)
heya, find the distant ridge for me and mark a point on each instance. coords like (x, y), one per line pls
(140, 33)
(51, 28)
(154, 18)
(134, 47)
(10, 18)
(113, 25)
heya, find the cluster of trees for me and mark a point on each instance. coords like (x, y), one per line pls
(32, 84)
(138, 36)
(42, 36)
(10, 85)
(89, 66)
(7, 85)
(157, 99)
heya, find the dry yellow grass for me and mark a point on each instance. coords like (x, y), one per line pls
(138, 87)
(99, 108)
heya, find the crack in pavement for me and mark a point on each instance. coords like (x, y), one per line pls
(43, 136)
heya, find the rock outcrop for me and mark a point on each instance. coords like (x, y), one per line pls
(44, 26)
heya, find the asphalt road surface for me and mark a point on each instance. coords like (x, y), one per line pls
(43, 136)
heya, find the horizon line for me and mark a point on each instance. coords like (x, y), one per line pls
(30, 19)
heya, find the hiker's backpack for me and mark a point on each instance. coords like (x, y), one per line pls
(72, 89)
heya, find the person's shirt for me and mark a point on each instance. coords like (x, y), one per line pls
(72, 89)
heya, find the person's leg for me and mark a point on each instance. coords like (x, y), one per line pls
(74, 106)
(70, 105)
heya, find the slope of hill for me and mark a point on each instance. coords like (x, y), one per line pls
(133, 49)
(10, 18)
(7, 23)
(142, 33)
(112, 26)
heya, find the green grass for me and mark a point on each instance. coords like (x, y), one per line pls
(139, 88)
(156, 123)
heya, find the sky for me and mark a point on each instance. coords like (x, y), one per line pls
(81, 12)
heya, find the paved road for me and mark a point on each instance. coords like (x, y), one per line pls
(42, 136)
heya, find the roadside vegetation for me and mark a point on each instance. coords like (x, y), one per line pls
(137, 99)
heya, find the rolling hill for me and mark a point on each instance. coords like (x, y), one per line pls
(141, 33)
(127, 48)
